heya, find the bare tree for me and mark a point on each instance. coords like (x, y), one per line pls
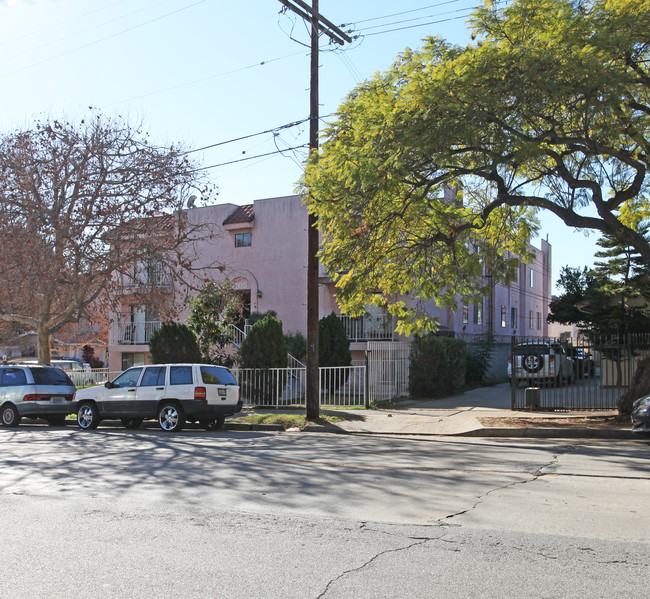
(83, 210)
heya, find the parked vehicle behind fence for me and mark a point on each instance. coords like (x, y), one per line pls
(541, 362)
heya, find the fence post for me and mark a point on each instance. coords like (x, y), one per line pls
(366, 382)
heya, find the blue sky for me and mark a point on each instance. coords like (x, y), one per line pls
(201, 72)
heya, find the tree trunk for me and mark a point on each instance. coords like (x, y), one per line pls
(43, 346)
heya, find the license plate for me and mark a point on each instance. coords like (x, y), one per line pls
(222, 392)
(57, 399)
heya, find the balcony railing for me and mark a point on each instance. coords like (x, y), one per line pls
(367, 328)
(133, 333)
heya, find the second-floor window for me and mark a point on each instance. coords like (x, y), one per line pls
(478, 313)
(243, 240)
(503, 317)
(147, 272)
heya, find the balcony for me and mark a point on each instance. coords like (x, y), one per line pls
(132, 333)
(368, 328)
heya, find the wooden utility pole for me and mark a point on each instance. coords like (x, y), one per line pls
(318, 23)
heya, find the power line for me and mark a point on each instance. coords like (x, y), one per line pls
(205, 168)
(103, 39)
(420, 25)
(397, 14)
(195, 81)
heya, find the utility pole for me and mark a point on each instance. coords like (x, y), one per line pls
(318, 24)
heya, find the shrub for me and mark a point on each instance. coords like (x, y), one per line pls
(88, 356)
(640, 387)
(297, 345)
(333, 350)
(438, 366)
(264, 348)
(174, 342)
(333, 342)
(479, 355)
(265, 345)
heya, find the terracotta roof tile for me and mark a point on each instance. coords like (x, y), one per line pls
(243, 214)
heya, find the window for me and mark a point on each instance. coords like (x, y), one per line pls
(12, 377)
(478, 313)
(532, 278)
(180, 375)
(153, 376)
(465, 313)
(242, 240)
(539, 321)
(215, 375)
(503, 317)
(128, 378)
(147, 272)
(513, 318)
(132, 359)
(531, 319)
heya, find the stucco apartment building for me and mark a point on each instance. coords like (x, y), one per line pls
(264, 248)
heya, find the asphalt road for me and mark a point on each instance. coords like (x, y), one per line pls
(117, 513)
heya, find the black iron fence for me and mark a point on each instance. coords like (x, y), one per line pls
(565, 374)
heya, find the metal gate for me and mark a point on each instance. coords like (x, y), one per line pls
(388, 370)
(564, 374)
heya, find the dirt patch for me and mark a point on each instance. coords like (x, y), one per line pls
(613, 422)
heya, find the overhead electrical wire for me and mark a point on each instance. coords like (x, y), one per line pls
(103, 39)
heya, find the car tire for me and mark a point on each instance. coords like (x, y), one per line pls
(10, 416)
(88, 416)
(213, 424)
(532, 362)
(171, 417)
(57, 420)
(131, 422)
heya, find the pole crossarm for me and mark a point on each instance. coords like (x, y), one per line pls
(324, 25)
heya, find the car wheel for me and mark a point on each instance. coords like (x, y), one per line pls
(533, 362)
(171, 417)
(58, 420)
(213, 424)
(88, 416)
(10, 416)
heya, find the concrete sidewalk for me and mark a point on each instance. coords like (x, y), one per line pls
(461, 415)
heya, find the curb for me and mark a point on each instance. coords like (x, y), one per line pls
(530, 433)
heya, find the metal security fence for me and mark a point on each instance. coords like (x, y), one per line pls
(564, 374)
(280, 387)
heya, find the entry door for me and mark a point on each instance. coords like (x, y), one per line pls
(138, 322)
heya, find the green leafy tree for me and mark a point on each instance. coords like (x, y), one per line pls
(547, 110)
(610, 299)
(212, 312)
(174, 342)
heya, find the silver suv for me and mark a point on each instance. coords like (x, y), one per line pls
(541, 361)
(170, 393)
(35, 392)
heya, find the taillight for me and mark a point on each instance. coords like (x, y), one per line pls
(36, 397)
(200, 393)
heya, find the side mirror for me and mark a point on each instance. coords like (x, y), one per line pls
(109, 385)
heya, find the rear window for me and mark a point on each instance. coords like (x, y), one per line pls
(214, 375)
(50, 376)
